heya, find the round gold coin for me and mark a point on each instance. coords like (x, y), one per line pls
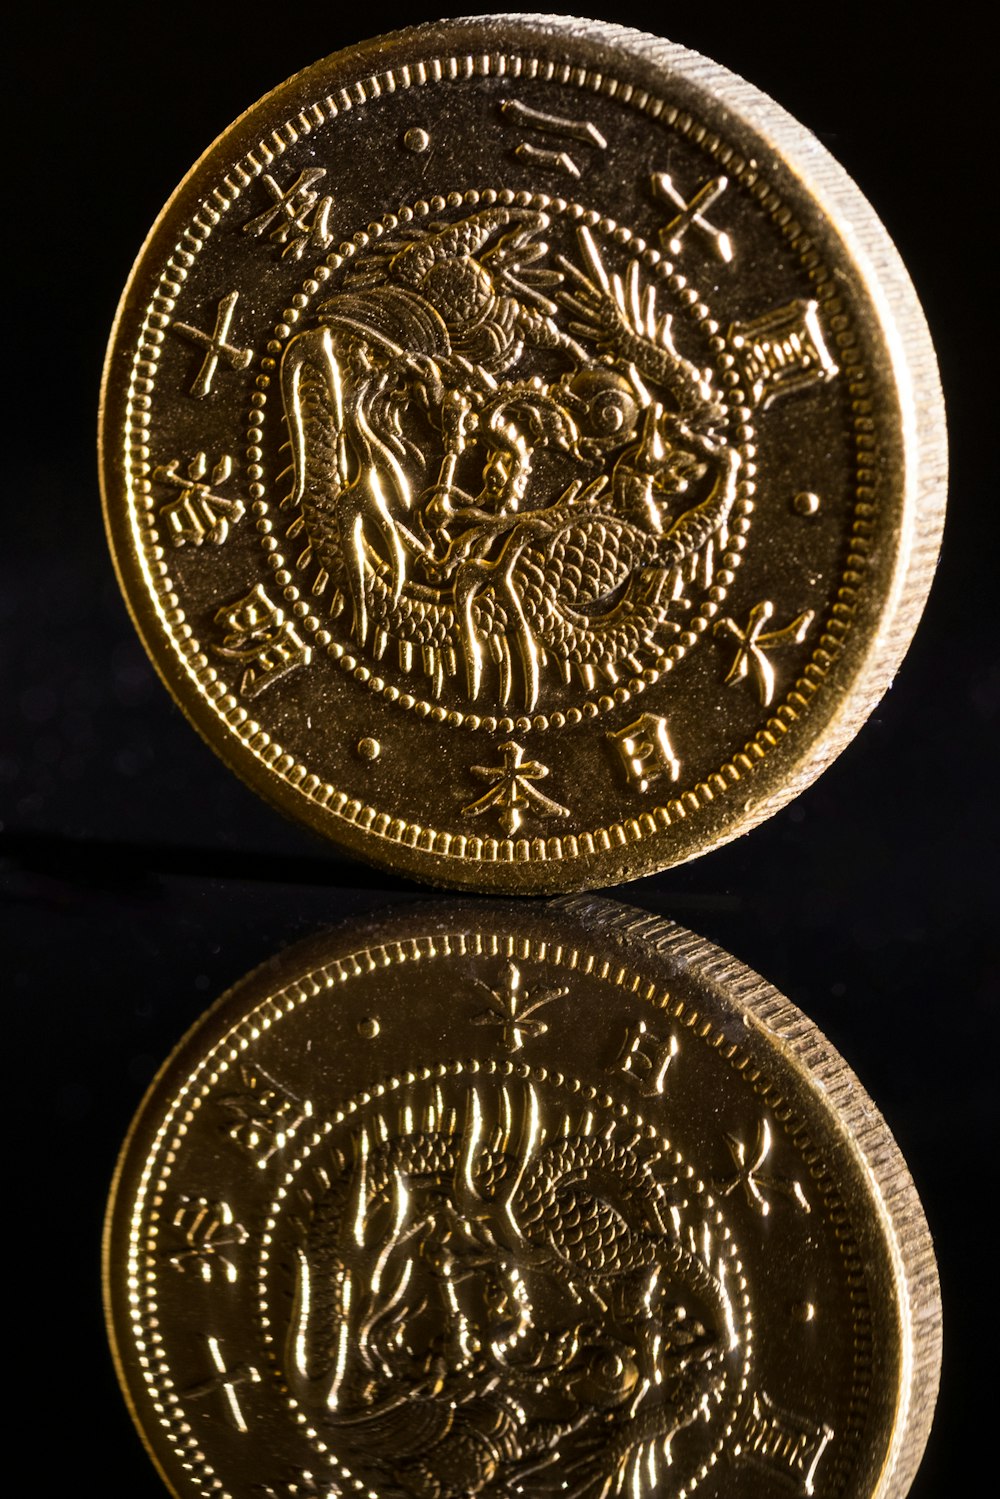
(494, 1200)
(522, 452)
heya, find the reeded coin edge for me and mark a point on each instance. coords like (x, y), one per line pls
(598, 859)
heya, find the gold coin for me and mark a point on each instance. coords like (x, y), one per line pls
(523, 453)
(489, 1199)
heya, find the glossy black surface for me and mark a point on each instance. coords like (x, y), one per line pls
(142, 878)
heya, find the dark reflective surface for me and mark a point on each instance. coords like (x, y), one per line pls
(142, 878)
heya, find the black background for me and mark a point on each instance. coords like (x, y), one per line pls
(142, 878)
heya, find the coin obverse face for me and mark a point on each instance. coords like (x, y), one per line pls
(481, 1200)
(511, 452)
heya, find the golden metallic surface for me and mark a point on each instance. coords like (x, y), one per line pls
(522, 452)
(497, 1199)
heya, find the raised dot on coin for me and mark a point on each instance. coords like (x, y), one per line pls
(806, 503)
(804, 1311)
(416, 139)
(369, 749)
(368, 1028)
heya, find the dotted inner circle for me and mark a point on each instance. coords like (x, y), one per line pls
(739, 523)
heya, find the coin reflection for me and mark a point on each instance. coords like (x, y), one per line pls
(481, 1199)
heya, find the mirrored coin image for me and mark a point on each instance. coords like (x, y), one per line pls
(486, 1199)
(522, 453)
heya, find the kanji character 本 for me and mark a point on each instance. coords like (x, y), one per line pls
(513, 1010)
(260, 633)
(512, 793)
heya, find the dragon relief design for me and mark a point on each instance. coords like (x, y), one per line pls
(500, 462)
(489, 1297)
